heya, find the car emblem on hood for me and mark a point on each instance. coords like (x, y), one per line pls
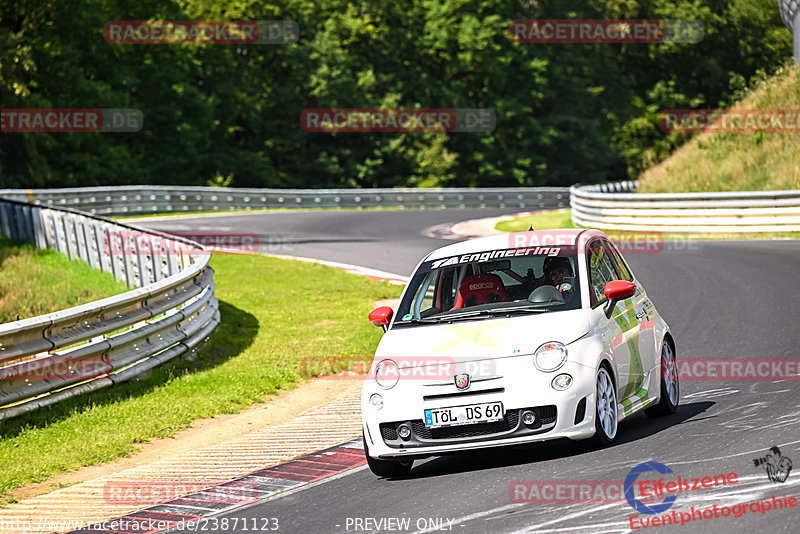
(461, 380)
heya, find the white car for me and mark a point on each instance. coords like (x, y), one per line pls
(514, 339)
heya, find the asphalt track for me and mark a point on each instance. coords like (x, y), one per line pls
(722, 299)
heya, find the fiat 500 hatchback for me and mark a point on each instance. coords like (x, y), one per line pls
(513, 339)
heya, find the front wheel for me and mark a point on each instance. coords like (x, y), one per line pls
(605, 419)
(386, 468)
(670, 388)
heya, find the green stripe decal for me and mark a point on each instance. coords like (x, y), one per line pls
(636, 372)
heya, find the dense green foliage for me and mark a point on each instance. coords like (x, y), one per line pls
(565, 112)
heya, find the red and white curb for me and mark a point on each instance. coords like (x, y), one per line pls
(472, 228)
(190, 511)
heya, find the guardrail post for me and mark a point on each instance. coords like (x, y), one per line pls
(40, 238)
(80, 239)
(27, 224)
(72, 237)
(60, 231)
(103, 248)
(19, 224)
(5, 219)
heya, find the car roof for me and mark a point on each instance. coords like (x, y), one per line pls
(543, 238)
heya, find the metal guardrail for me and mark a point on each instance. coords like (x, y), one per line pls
(615, 206)
(172, 309)
(133, 200)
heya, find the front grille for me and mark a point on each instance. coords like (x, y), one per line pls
(510, 425)
(388, 431)
(509, 422)
(546, 414)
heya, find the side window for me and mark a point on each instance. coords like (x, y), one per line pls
(622, 267)
(422, 304)
(601, 271)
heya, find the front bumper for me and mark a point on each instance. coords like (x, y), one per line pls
(514, 381)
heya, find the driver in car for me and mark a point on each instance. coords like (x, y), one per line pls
(558, 273)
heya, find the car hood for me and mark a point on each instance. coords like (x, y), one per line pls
(481, 339)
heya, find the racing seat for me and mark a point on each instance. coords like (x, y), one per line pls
(480, 289)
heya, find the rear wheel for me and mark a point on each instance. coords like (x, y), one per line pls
(605, 419)
(386, 468)
(670, 388)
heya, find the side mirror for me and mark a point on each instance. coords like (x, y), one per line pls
(381, 317)
(617, 290)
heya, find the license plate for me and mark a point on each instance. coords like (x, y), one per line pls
(464, 415)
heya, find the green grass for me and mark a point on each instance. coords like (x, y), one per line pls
(737, 161)
(548, 220)
(545, 220)
(275, 314)
(36, 281)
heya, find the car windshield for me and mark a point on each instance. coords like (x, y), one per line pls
(491, 283)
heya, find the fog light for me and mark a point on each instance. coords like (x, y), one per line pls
(376, 400)
(404, 432)
(528, 418)
(562, 382)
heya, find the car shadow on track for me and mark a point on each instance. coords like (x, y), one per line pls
(630, 430)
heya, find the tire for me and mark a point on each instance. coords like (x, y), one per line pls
(605, 408)
(670, 386)
(386, 468)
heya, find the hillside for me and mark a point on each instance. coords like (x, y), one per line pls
(738, 161)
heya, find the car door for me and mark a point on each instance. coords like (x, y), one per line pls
(620, 332)
(644, 312)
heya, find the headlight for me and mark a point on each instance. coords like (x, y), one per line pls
(550, 356)
(376, 400)
(561, 382)
(387, 374)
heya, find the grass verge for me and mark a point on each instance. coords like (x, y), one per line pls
(548, 220)
(36, 281)
(737, 161)
(276, 315)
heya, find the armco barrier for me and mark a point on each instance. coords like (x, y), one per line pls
(172, 309)
(132, 200)
(616, 207)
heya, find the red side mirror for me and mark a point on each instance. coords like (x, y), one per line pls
(381, 316)
(619, 289)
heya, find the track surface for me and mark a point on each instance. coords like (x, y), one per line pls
(721, 299)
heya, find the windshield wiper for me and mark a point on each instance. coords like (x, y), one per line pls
(494, 311)
(473, 313)
(426, 320)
